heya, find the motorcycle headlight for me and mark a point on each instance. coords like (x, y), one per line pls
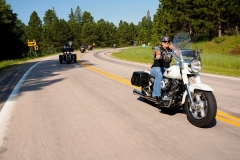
(195, 66)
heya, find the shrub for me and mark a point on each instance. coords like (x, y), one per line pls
(235, 51)
(219, 39)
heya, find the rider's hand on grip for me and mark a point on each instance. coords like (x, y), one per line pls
(158, 56)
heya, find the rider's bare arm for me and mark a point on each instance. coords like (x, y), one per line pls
(158, 53)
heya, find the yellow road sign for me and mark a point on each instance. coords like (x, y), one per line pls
(31, 44)
(36, 47)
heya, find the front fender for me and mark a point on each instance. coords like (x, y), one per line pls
(199, 86)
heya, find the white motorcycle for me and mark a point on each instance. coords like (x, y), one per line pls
(181, 84)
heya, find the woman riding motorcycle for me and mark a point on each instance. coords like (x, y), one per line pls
(160, 64)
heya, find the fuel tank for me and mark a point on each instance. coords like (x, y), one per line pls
(173, 72)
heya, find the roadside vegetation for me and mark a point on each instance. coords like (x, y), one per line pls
(213, 29)
(221, 58)
(9, 63)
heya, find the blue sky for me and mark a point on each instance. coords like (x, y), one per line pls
(109, 10)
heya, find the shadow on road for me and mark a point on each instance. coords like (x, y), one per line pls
(38, 78)
(168, 111)
(171, 111)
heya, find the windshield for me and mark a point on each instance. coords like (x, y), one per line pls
(185, 47)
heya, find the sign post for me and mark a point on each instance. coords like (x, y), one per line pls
(237, 30)
(30, 52)
(32, 44)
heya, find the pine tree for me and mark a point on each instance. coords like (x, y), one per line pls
(106, 33)
(12, 33)
(145, 29)
(78, 15)
(89, 33)
(71, 15)
(47, 43)
(61, 33)
(133, 32)
(124, 34)
(50, 16)
(87, 17)
(35, 29)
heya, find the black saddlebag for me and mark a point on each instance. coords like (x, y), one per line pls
(140, 78)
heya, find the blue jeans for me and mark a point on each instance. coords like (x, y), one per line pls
(157, 73)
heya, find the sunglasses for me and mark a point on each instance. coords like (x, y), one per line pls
(166, 41)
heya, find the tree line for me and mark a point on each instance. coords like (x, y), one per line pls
(204, 19)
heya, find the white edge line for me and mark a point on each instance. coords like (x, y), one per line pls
(6, 111)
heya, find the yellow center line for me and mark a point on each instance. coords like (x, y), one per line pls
(235, 121)
(228, 118)
(109, 75)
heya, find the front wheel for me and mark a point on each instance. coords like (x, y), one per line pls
(205, 108)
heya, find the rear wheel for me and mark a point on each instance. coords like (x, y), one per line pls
(60, 58)
(64, 58)
(74, 56)
(205, 109)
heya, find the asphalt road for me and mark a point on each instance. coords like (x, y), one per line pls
(70, 111)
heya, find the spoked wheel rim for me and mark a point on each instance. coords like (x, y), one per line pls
(200, 109)
(204, 111)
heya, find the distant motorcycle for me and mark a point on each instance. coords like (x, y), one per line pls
(196, 98)
(82, 49)
(89, 47)
(67, 56)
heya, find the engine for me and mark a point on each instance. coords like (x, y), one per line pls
(165, 83)
(169, 88)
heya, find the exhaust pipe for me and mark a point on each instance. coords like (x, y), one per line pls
(138, 93)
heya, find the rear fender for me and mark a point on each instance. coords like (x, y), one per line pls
(198, 86)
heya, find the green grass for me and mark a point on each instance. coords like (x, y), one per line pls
(221, 61)
(221, 71)
(229, 43)
(135, 54)
(215, 57)
(9, 63)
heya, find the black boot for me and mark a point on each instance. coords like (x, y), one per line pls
(158, 99)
